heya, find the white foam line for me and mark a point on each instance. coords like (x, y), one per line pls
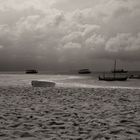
(93, 86)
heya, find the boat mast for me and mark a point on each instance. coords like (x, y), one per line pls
(115, 68)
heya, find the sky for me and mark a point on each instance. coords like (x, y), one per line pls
(69, 34)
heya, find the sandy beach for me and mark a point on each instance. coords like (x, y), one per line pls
(28, 113)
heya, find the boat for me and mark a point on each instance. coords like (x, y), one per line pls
(36, 83)
(84, 71)
(32, 71)
(113, 77)
(134, 76)
(108, 78)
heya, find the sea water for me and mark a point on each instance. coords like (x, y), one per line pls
(65, 80)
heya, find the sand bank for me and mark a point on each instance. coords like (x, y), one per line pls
(69, 114)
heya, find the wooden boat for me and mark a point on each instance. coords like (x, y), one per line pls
(114, 77)
(105, 78)
(31, 71)
(84, 71)
(42, 84)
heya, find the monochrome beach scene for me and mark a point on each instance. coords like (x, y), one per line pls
(69, 70)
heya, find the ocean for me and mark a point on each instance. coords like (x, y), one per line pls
(65, 80)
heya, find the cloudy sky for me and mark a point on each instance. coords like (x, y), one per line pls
(69, 34)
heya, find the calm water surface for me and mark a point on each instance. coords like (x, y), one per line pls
(64, 80)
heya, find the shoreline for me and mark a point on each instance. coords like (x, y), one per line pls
(79, 86)
(69, 113)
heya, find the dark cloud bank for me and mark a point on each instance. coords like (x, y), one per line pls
(48, 38)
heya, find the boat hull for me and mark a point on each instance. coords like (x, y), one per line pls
(113, 78)
(84, 71)
(31, 71)
(42, 84)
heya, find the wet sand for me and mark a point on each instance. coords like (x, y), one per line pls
(28, 113)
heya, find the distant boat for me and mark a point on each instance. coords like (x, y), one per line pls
(134, 76)
(114, 77)
(84, 71)
(31, 71)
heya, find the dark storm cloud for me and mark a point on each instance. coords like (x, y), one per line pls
(34, 35)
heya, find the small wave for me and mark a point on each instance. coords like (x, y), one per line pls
(79, 85)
